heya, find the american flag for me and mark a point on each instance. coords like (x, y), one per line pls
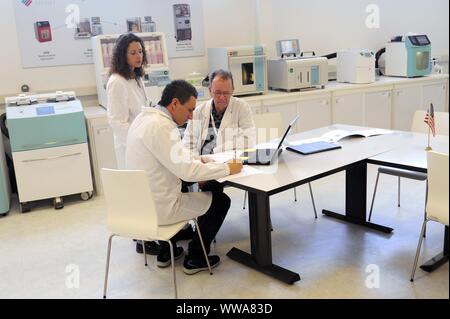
(429, 119)
(27, 2)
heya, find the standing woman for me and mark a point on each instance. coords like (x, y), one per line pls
(125, 90)
(126, 97)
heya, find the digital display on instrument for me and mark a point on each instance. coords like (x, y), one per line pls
(45, 110)
(420, 40)
(288, 47)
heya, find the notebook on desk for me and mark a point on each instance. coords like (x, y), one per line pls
(312, 148)
(265, 156)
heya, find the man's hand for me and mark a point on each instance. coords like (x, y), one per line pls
(235, 166)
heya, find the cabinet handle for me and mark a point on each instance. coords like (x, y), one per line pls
(101, 130)
(324, 102)
(50, 158)
(337, 100)
(44, 145)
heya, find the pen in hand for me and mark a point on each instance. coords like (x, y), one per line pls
(234, 147)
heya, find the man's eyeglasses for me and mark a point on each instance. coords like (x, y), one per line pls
(224, 94)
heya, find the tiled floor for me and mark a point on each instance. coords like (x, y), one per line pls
(61, 254)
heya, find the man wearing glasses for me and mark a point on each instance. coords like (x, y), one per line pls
(223, 123)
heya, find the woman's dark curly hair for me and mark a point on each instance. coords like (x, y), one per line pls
(119, 61)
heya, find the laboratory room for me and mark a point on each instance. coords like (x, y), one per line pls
(292, 149)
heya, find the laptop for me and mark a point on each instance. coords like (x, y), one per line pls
(312, 148)
(266, 156)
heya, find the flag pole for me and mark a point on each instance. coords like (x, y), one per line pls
(428, 148)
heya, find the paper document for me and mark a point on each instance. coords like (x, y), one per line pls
(221, 157)
(246, 171)
(337, 135)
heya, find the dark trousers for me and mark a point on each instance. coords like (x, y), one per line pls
(209, 223)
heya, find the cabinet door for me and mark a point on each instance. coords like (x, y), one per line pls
(349, 109)
(101, 142)
(436, 94)
(288, 111)
(378, 109)
(314, 114)
(255, 107)
(406, 102)
(52, 172)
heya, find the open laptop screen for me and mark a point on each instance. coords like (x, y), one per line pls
(287, 131)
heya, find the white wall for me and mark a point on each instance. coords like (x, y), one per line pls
(325, 26)
(322, 25)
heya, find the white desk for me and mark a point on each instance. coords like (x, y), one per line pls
(414, 157)
(292, 170)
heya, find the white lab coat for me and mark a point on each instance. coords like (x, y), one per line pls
(237, 129)
(154, 145)
(125, 101)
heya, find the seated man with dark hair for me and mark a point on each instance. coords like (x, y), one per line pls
(154, 145)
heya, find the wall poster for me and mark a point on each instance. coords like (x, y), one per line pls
(58, 32)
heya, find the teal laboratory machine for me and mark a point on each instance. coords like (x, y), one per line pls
(408, 56)
(49, 148)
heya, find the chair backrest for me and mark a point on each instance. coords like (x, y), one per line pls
(129, 201)
(440, 121)
(437, 204)
(268, 126)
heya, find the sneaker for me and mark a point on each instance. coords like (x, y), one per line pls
(163, 259)
(194, 265)
(151, 248)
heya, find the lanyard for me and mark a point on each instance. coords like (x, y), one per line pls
(148, 102)
(214, 125)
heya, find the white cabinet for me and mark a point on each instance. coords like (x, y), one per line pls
(406, 101)
(378, 108)
(101, 144)
(314, 113)
(287, 108)
(436, 94)
(255, 106)
(388, 103)
(348, 109)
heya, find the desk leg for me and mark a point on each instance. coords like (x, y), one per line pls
(440, 259)
(261, 242)
(356, 199)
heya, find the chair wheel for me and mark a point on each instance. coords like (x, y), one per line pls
(86, 196)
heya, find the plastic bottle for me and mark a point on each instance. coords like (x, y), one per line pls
(159, 53)
(153, 57)
(105, 54)
(147, 48)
